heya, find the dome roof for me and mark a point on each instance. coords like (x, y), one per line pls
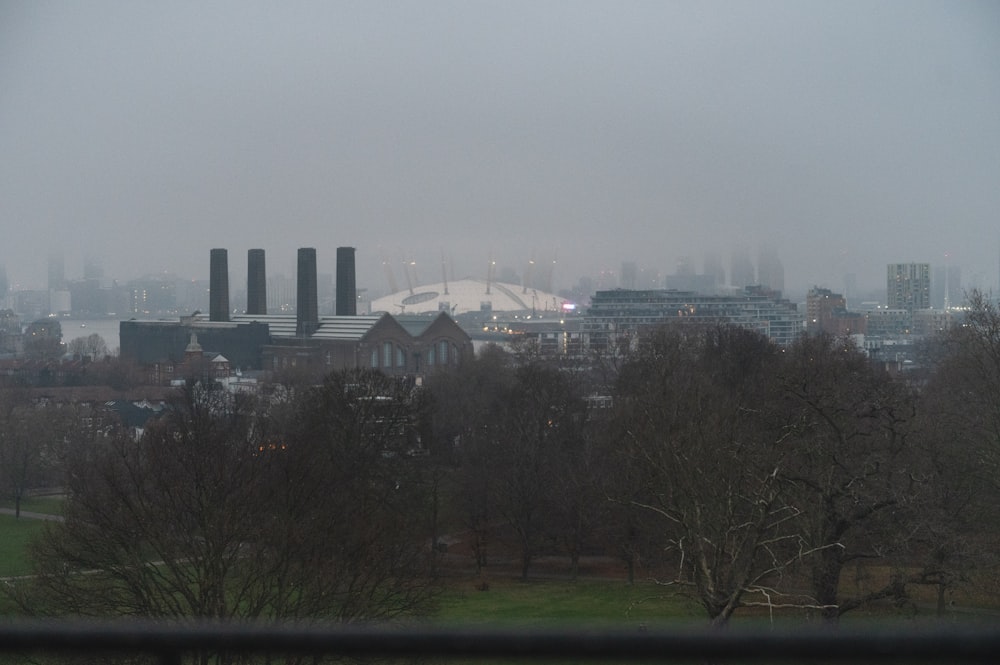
(467, 295)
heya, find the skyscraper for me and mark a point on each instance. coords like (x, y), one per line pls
(946, 287)
(741, 272)
(770, 271)
(908, 286)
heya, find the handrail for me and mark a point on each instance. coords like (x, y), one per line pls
(921, 643)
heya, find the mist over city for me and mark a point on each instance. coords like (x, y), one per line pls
(442, 330)
(842, 136)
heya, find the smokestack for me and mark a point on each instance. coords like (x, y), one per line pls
(218, 286)
(347, 292)
(256, 283)
(307, 299)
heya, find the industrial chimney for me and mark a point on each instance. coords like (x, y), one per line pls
(347, 293)
(256, 283)
(307, 299)
(218, 286)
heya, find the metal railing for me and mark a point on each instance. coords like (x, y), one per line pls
(171, 642)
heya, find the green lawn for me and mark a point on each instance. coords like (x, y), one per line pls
(14, 536)
(556, 602)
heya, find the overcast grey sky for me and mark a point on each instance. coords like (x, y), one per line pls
(847, 134)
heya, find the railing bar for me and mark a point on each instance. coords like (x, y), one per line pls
(169, 641)
(170, 657)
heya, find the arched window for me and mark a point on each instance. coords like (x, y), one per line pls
(375, 357)
(387, 355)
(400, 357)
(443, 352)
(430, 355)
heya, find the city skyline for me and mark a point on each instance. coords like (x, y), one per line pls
(766, 269)
(846, 136)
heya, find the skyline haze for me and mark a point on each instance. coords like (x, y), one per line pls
(845, 135)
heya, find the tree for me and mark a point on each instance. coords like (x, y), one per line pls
(92, 346)
(970, 371)
(221, 511)
(959, 434)
(30, 432)
(695, 414)
(537, 425)
(43, 340)
(356, 506)
(467, 403)
(850, 466)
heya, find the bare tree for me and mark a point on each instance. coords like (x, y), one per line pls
(92, 346)
(695, 410)
(851, 468)
(468, 402)
(30, 433)
(959, 435)
(220, 511)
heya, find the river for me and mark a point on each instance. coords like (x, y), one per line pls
(106, 328)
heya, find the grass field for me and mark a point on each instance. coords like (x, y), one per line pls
(562, 602)
(14, 536)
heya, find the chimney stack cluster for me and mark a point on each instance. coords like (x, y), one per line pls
(307, 306)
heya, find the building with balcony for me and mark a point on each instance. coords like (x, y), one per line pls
(620, 312)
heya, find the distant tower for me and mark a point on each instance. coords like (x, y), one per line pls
(92, 268)
(713, 267)
(347, 290)
(770, 272)
(57, 272)
(908, 286)
(741, 270)
(307, 298)
(685, 266)
(218, 286)
(629, 276)
(256, 283)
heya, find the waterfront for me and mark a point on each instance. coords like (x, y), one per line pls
(106, 328)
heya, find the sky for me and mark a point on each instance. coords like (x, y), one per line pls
(847, 135)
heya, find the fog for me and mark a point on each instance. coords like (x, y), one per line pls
(846, 134)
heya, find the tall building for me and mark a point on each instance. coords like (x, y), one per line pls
(741, 271)
(713, 268)
(946, 287)
(92, 268)
(630, 275)
(57, 272)
(908, 286)
(770, 271)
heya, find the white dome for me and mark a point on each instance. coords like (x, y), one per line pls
(467, 295)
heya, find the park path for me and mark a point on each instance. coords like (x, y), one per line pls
(32, 516)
